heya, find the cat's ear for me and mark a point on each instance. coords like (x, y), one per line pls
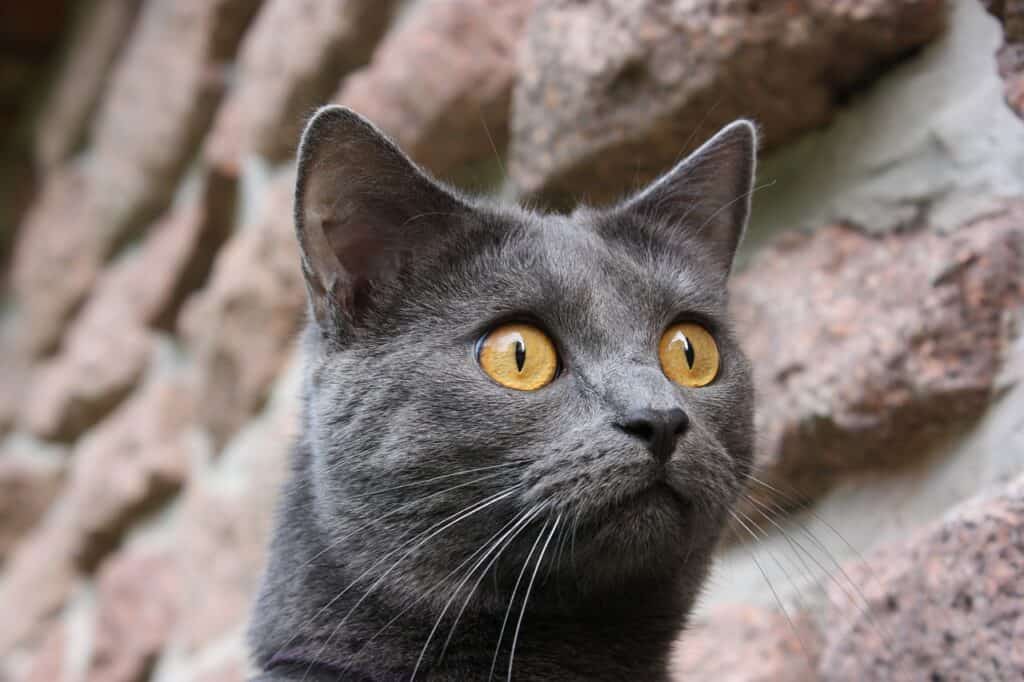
(357, 200)
(707, 195)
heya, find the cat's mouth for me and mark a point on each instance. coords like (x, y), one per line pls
(658, 497)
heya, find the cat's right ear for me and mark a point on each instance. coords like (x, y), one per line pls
(357, 200)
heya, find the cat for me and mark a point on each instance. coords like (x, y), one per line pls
(521, 433)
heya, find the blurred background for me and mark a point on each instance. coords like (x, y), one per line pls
(150, 297)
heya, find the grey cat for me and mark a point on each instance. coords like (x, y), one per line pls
(521, 433)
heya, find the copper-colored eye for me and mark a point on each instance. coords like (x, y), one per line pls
(519, 356)
(689, 355)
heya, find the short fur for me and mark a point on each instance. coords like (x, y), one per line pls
(402, 430)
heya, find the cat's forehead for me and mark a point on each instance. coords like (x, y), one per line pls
(577, 265)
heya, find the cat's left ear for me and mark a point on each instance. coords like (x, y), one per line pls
(362, 209)
(707, 195)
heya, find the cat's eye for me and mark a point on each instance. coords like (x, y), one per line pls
(689, 355)
(519, 356)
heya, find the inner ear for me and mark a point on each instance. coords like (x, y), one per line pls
(361, 209)
(707, 195)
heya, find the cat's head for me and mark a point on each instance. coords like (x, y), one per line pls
(487, 378)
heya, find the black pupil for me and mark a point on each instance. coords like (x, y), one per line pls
(520, 354)
(688, 351)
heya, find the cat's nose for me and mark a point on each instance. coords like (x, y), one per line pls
(657, 429)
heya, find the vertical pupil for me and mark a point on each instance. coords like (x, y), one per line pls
(687, 350)
(520, 354)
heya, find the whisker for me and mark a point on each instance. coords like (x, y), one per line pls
(430, 533)
(794, 585)
(451, 632)
(512, 598)
(858, 599)
(864, 563)
(437, 478)
(490, 545)
(792, 625)
(526, 598)
(397, 510)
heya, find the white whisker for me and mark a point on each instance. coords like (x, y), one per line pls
(526, 598)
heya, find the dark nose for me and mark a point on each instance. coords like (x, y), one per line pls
(657, 429)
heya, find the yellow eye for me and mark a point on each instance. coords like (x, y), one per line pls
(518, 356)
(689, 355)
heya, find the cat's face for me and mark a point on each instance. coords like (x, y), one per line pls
(484, 383)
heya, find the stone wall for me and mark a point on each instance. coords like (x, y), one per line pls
(152, 296)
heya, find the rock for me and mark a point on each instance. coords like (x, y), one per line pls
(946, 605)
(108, 347)
(457, 110)
(234, 671)
(13, 379)
(290, 61)
(138, 594)
(763, 646)
(610, 91)
(55, 260)
(49, 663)
(160, 99)
(866, 350)
(243, 323)
(130, 464)
(96, 37)
(223, 543)
(75, 390)
(1011, 55)
(37, 582)
(28, 484)
(225, 529)
(175, 259)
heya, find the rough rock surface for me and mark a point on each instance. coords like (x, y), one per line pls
(611, 90)
(49, 664)
(27, 487)
(221, 551)
(93, 46)
(747, 644)
(243, 323)
(867, 349)
(138, 596)
(441, 83)
(162, 95)
(37, 582)
(52, 269)
(104, 360)
(107, 347)
(948, 605)
(1011, 54)
(129, 464)
(291, 60)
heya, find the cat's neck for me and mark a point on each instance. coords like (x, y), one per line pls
(382, 642)
(321, 627)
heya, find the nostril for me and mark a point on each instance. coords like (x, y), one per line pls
(682, 422)
(640, 428)
(657, 429)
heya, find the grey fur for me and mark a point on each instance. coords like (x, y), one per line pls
(404, 276)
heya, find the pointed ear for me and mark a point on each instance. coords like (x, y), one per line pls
(357, 200)
(707, 195)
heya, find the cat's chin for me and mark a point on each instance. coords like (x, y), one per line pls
(654, 534)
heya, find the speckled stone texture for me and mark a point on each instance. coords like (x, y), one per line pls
(948, 606)
(1011, 54)
(747, 644)
(441, 83)
(291, 60)
(162, 94)
(242, 325)
(622, 90)
(870, 348)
